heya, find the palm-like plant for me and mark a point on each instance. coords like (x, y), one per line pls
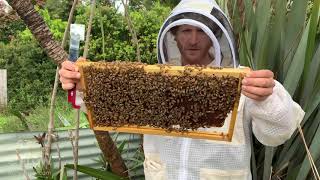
(39, 29)
(282, 35)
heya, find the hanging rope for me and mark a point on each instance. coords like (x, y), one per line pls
(311, 161)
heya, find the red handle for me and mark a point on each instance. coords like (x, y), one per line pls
(72, 98)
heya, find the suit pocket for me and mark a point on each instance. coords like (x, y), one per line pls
(154, 169)
(215, 174)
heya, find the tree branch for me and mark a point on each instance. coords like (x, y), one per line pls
(22, 165)
(77, 117)
(86, 47)
(54, 92)
(131, 29)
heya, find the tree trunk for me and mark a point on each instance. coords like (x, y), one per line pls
(40, 3)
(111, 153)
(39, 29)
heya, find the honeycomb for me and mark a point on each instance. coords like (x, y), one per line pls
(124, 93)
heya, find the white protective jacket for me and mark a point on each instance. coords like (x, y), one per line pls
(272, 121)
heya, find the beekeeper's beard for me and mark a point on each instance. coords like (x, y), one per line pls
(194, 54)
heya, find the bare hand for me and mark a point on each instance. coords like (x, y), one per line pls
(69, 75)
(258, 85)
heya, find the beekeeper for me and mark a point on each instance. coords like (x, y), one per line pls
(198, 32)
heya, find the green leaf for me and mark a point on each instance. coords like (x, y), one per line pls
(311, 67)
(64, 175)
(263, 14)
(294, 26)
(253, 163)
(103, 175)
(292, 147)
(56, 174)
(268, 163)
(121, 147)
(309, 84)
(312, 106)
(245, 53)
(250, 24)
(138, 165)
(277, 22)
(292, 173)
(309, 129)
(294, 74)
(236, 18)
(315, 153)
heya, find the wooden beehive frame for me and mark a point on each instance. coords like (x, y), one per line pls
(173, 70)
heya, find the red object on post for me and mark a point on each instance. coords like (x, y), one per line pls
(76, 35)
(72, 98)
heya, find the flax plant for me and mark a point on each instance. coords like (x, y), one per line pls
(283, 36)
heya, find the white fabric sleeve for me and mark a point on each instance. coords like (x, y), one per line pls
(80, 102)
(275, 119)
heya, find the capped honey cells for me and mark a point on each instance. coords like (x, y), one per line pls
(124, 93)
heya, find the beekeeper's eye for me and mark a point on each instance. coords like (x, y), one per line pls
(200, 31)
(186, 30)
(189, 30)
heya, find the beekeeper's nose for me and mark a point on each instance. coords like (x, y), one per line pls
(194, 36)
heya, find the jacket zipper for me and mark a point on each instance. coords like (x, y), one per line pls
(184, 156)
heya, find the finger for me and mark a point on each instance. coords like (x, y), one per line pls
(79, 87)
(68, 86)
(259, 82)
(68, 65)
(257, 90)
(68, 80)
(69, 74)
(260, 74)
(81, 59)
(253, 96)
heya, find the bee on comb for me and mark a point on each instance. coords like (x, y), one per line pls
(170, 98)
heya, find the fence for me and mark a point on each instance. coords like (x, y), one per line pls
(3, 89)
(30, 152)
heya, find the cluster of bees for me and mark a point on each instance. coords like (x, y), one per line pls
(123, 93)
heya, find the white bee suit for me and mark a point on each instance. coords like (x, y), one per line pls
(272, 121)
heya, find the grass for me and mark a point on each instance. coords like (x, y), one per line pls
(38, 119)
(9, 123)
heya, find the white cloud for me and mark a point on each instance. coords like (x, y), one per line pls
(119, 6)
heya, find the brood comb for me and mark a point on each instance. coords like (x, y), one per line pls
(161, 99)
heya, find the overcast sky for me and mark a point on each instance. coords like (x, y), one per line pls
(119, 5)
(7, 8)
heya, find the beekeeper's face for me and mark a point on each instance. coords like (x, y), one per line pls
(194, 45)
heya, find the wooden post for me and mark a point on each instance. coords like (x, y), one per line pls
(3, 89)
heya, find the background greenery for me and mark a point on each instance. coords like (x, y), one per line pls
(284, 36)
(31, 73)
(279, 35)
